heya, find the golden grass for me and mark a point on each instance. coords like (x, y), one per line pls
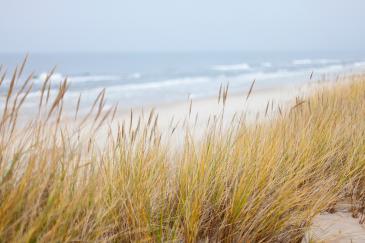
(251, 183)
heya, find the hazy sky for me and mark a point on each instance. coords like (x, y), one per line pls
(185, 25)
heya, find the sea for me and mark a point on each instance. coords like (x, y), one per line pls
(153, 78)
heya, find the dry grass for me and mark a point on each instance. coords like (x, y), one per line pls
(250, 183)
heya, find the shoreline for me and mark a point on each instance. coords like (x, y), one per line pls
(261, 89)
(262, 103)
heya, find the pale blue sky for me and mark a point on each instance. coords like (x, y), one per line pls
(185, 25)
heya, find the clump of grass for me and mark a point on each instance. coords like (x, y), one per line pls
(250, 183)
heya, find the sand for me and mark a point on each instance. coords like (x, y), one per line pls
(339, 227)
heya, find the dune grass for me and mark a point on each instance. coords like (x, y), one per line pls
(261, 182)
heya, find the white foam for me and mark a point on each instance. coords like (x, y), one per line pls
(359, 64)
(266, 64)
(234, 67)
(302, 62)
(135, 76)
(266, 75)
(161, 84)
(56, 77)
(322, 61)
(94, 78)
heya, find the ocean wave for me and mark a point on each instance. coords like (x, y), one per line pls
(96, 78)
(233, 67)
(266, 64)
(266, 75)
(314, 61)
(57, 77)
(135, 76)
(143, 86)
(359, 64)
(284, 73)
(162, 84)
(128, 90)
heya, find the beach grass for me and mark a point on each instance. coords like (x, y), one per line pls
(261, 182)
